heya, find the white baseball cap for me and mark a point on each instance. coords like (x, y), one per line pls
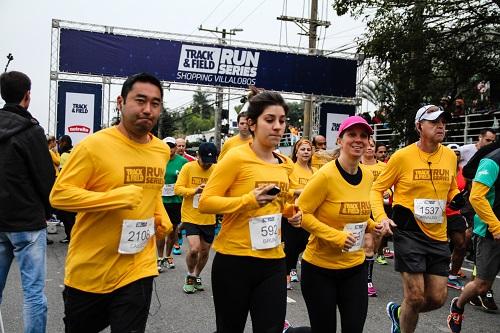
(431, 112)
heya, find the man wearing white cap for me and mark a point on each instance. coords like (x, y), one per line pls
(424, 178)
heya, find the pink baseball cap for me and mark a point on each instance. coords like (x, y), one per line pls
(354, 120)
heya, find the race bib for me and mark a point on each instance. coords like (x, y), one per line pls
(168, 190)
(196, 200)
(429, 210)
(358, 231)
(265, 231)
(135, 235)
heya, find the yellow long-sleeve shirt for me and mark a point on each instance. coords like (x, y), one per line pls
(191, 176)
(229, 191)
(416, 174)
(232, 142)
(56, 160)
(328, 204)
(299, 178)
(376, 168)
(105, 177)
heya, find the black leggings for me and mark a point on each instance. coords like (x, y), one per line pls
(325, 289)
(295, 243)
(241, 284)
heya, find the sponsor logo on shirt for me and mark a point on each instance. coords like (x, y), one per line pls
(432, 174)
(303, 181)
(198, 180)
(375, 173)
(143, 175)
(355, 208)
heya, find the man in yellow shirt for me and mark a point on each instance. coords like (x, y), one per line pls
(243, 136)
(424, 179)
(320, 157)
(113, 180)
(200, 228)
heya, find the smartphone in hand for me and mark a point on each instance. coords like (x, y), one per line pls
(274, 191)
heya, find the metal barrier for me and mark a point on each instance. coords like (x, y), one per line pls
(461, 130)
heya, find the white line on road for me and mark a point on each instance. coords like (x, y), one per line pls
(290, 300)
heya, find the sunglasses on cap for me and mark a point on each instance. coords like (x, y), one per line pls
(431, 109)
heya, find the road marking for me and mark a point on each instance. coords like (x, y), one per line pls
(470, 270)
(290, 300)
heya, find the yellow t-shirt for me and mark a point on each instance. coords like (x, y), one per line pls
(320, 158)
(328, 203)
(299, 178)
(191, 176)
(229, 191)
(376, 168)
(416, 174)
(103, 175)
(232, 142)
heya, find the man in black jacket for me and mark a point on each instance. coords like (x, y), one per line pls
(26, 178)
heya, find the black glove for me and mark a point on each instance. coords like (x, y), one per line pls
(458, 201)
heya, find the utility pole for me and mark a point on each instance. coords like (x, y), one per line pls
(313, 23)
(219, 97)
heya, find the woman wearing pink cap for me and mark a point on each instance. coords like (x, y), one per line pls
(336, 211)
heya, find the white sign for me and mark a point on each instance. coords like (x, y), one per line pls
(333, 121)
(217, 64)
(79, 116)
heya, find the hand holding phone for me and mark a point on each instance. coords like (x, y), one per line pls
(274, 191)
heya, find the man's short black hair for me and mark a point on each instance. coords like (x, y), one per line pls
(486, 130)
(13, 86)
(241, 114)
(140, 77)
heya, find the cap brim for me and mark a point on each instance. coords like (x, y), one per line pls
(208, 159)
(367, 127)
(435, 115)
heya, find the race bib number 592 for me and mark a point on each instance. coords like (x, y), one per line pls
(265, 231)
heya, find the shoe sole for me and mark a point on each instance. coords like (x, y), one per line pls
(448, 318)
(455, 287)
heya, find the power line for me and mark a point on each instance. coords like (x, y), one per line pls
(209, 15)
(232, 11)
(253, 11)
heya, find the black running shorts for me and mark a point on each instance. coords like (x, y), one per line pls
(207, 232)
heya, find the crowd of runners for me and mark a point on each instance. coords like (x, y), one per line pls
(128, 199)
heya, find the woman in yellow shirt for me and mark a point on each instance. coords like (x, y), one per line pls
(296, 238)
(249, 256)
(336, 211)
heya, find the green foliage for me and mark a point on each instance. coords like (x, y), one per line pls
(295, 114)
(202, 105)
(427, 49)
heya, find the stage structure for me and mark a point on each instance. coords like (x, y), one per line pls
(100, 58)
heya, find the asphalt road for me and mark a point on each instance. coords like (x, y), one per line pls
(174, 311)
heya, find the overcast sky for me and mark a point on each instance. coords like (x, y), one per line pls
(25, 28)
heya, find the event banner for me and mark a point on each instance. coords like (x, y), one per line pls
(78, 109)
(95, 53)
(331, 116)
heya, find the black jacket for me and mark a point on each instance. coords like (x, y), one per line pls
(26, 171)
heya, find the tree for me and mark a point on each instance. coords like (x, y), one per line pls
(295, 114)
(427, 49)
(202, 105)
(166, 124)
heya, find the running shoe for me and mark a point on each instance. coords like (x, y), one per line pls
(455, 317)
(293, 276)
(372, 292)
(177, 250)
(160, 263)
(170, 263)
(64, 240)
(392, 310)
(190, 285)
(286, 326)
(198, 285)
(461, 274)
(488, 302)
(381, 260)
(455, 284)
(388, 253)
(289, 286)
